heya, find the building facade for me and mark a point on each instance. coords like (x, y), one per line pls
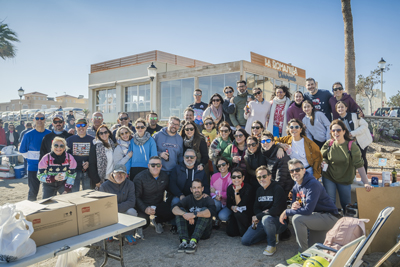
(368, 106)
(124, 85)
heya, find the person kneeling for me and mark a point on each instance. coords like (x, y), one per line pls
(125, 191)
(269, 204)
(193, 215)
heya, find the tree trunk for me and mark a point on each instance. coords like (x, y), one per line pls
(349, 54)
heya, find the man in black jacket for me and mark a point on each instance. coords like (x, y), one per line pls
(150, 186)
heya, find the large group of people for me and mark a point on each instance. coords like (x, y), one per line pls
(237, 160)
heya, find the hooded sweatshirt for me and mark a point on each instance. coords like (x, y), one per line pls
(125, 192)
(174, 145)
(312, 197)
(351, 105)
(295, 112)
(142, 150)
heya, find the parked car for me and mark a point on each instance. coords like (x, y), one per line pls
(378, 112)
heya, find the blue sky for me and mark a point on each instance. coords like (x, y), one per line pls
(61, 39)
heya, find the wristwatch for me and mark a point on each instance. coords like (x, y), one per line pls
(237, 193)
(195, 213)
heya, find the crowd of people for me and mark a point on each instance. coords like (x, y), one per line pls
(240, 160)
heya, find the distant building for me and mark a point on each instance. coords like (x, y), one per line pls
(376, 102)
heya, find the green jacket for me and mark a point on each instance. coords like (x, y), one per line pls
(218, 143)
(341, 166)
(237, 117)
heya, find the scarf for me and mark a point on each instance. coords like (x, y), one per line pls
(124, 145)
(140, 141)
(188, 142)
(277, 101)
(216, 114)
(58, 159)
(101, 157)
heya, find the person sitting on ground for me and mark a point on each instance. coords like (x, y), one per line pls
(193, 215)
(150, 186)
(240, 200)
(269, 204)
(57, 169)
(125, 190)
(312, 209)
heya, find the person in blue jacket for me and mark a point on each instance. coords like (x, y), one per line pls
(143, 147)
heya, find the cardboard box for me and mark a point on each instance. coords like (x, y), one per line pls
(94, 209)
(52, 220)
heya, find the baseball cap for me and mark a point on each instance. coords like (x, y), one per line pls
(120, 168)
(58, 116)
(81, 121)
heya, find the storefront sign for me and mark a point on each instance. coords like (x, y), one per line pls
(283, 68)
(285, 76)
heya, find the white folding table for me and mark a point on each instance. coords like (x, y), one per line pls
(125, 223)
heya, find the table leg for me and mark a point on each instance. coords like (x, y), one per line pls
(105, 253)
(121, 244)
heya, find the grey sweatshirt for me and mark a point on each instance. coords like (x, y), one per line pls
(320, 130)
(125, 193)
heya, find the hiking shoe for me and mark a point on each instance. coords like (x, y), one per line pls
(159, 228)
(130, 239)
(191, 247)
(276, 239)
(110, 239)
(173, 229)
(182, 246)
(295, 259)
(139, 233)
(285, 235)
(269, 251)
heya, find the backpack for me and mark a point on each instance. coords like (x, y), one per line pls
(345, 230)
(348, 145)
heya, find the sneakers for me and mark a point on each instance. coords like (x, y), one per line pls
(269, 251)
(139, 233)
(182, 246)
(130, 239)
(276, 239)
(158, 226)
(295, 259)
(173, 229)
(110, 239)
(191, 247)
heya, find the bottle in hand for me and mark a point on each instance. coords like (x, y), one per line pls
(168, 155)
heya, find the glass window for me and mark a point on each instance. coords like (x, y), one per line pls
(106, 100)
(293, 87)
(302, 88)
(137, 98)
(176, 95)
(216, 83)
(278, 82)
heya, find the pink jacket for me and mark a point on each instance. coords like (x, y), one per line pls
(221, 185)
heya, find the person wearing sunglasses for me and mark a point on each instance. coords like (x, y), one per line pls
(240, 200)
(256, 129)
(150, 186)
(257, 110)
(214, 109)
(143, 148)
(269, 204)
(218, 185)
(219, 144)
(313, 211)
(235, 152)
(123, 120)
(12, 138)
(97, 121)
(228, 106)
(253, 159)
(152, 121)
(194, 140)
(299, 146)
(210, 130)
(101, 157)
(280, 102)
(295, 110)
(58, 131)
(121, 153)
(57, 170)
(30, 149)
(340, 95)
(79, 147)
(316, 124)
(342, 164)
(240, 101)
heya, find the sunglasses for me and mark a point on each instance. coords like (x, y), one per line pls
(216, 100)
(124, 133)
(221, 165)
(140, 127)
(295, 170)
(39, 118)
(59, 146)
(123, 119)
(256, 127)
(209, 123)
(197, 94)
(239, 135)
(335, 89)
(252, 145)
(294, 127)
(262, 177)
(81, 125)
(153, 118)
(224, 131)
(229, 92)
(97, 118)
(101, 133)
(259, 92)
(265, 141)
(336, 130)
(189, 129)
(236, 177)
(58, 122)
(153, 165)
(190, 157)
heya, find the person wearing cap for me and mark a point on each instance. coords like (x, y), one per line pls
(125, 191)
(79, 147)
(58, 130)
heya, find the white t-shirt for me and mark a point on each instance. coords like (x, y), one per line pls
(299, 152)
(110, 161)
(393, 113)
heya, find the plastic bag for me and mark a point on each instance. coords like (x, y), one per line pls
(15, 232)
(8, 150)
(71, 259)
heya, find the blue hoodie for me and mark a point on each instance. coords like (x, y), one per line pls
(141, 154)
(313, 197)
(174, 144)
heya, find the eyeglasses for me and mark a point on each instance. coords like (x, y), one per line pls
(59, 146)
(58, 122)
(339, 88)
(209, 123)
(153, 118)
(336, 130)
(294, 127)
(153, 165)
(236, 177)
(224, 131)
(279, 92)
(295, 170)
(123, 118)
(266, 141)
(189, 129)
(252, 145)
(174, 124)
(190, 157)
(81, 125)
(197, 94)
(239, 135)
(39, 118)
(256, 127)
(97, 117)
(216, 100)
(221, 165)
(259, 92)
(229, 92)
(140, 127)
(124, 133)
(262, 177)
(101, 133)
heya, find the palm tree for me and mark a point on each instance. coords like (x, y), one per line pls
(349, 54)
(7, 36)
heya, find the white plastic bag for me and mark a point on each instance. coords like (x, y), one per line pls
(15, 232)
(8, 150)
(71, 259)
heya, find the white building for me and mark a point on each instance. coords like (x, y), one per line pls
(376, 102)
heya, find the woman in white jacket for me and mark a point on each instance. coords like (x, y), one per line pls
(358, 129)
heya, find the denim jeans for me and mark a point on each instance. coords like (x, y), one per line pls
(223, 212)
(33, 184)
(343, 190)
(51, 189)
(310, 171)
(84, 177)
(267, 228)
